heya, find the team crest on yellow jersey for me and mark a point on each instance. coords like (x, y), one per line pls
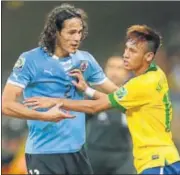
(121, 92)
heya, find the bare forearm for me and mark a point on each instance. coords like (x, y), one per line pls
(87, 106)
(98, 95)
(15, 109)
(106, 88)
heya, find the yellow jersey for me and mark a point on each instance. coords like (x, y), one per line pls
(146, 103)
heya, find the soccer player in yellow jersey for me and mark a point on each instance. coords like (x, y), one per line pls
(144, 99)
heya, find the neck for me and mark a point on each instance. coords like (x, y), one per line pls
(141, 70)
(59, 52)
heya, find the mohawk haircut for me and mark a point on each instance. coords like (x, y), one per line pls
(55, 22)
(145, 33)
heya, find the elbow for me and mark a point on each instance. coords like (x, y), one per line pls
(96, 106)
(90, 109)
(5, 108)
(94, 109)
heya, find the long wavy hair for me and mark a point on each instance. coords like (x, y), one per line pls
(55, 22)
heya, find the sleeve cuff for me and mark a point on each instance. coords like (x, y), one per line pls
(115, 104)
(16, 84)
(98, 83)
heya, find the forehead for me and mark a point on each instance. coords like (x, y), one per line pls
(73, 23)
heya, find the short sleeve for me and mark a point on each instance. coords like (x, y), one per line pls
(133, 94)
(21, 74)
(96, 74)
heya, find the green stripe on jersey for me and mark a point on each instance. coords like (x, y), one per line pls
(168, 106)
(115, 104)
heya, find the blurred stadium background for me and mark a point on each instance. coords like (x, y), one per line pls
(22, 23)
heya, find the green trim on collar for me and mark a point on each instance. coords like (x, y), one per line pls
(152, 67)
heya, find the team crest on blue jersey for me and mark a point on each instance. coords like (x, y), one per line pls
(83, 65)
(121, 92)
(19, 63)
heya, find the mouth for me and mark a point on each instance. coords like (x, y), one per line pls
(75, 46)
(126, 63)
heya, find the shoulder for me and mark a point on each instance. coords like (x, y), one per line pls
(152, 78)
(28, 58)
(85, 55)
(32, 54)
(145, 81)
(148, 80)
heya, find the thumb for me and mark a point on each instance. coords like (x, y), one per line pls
(59, 105)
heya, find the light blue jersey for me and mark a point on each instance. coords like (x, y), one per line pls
(42, 75)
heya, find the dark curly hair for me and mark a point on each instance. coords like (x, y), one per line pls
(55, 22)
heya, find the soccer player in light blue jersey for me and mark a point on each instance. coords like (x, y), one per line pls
(56, 138)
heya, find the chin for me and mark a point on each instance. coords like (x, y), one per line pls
(127, 68)
(72, 51)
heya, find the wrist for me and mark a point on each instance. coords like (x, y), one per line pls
(58, 101)
(85, 87)
(89, 92)
(41, 116)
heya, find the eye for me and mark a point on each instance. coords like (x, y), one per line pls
(72, 32)
(132, 50)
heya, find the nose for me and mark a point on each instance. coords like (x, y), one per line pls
(77, 37)
(126, 54)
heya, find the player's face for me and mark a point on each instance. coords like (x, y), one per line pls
(115, 71)
(134, 55)
(69, 38)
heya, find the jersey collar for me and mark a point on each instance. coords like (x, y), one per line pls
(57, 58)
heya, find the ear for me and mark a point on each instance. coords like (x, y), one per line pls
(149, 56)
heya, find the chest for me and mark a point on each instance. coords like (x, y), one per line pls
(56, 71)
(53, 77)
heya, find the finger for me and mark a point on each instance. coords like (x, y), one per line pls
(74, 83)
(59, 105)
(62, 118)
(30, 99)
(65, 114)
(78, 76)
(71, 117)
(75, 74)
(57, 120)
(75, 71)
(31, 103)
(36, 107)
